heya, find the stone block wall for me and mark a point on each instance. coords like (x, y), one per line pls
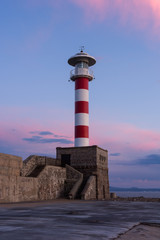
(27, 189)
(51, 182)
(85, 157)
(69, 183)
(102, 174)
(10, 165)
(89, 191)
(73, 182)
(87, 171)
(32, 161)
(43, 178)
(80, 156)
(102, 184)
(16, 189)
(102, 158)
(72, 173)
(91, 160)
(49, 185)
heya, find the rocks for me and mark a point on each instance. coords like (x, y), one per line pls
(136, 199)
(113, 195)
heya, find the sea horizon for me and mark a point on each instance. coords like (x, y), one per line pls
(145, 194)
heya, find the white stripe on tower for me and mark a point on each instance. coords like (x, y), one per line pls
(81, 112)
(81, 95)
(81, 119)
(80, 142)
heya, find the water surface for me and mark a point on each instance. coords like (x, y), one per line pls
(146, 194)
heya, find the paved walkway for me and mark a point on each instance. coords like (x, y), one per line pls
(78, 220)
(142, 232)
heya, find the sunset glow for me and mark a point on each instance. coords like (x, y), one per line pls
(37, 98)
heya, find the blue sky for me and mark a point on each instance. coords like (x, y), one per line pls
(37, 102)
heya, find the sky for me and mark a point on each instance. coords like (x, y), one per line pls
(37, 37)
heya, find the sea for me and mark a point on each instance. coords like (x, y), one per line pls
(146, 194)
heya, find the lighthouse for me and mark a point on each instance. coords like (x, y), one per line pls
(90, 161)
(81, 75)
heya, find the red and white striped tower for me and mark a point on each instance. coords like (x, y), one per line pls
(81, 74)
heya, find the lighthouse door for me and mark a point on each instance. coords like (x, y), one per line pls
(65, 159)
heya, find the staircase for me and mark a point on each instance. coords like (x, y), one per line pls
(36, 171)
(78, 196)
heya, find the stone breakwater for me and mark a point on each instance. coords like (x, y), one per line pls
(136, 199)
(75, 173)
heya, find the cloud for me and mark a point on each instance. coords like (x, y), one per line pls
(13, 132)
(150, 159)
(137, 175)
(38, 139)
(139, 183)
(141, 13)
(115, 154)
(124, 136)
(45, 133)
(132, 142)
(56, 140)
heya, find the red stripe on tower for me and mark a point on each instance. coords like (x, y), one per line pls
(81, 132)
(81, 83)
(81, 75)
(81, 107)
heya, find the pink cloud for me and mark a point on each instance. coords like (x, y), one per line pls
(127, 139)
(137, 175)
(141, 13)
(12, 135)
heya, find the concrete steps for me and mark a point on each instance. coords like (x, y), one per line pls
(36, 171)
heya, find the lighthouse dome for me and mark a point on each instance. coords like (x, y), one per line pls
(81, 57)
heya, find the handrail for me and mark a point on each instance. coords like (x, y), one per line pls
(75, 188)
(87, 187)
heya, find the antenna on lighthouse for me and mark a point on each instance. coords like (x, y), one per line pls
(82, 48)
(81, 75)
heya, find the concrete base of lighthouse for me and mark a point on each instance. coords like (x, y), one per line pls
(76, 173)
(92, 163)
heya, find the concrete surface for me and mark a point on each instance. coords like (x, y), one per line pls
(75, 220)
(142, 232)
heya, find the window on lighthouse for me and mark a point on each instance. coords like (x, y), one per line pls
(81, 69)
(82, 65)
